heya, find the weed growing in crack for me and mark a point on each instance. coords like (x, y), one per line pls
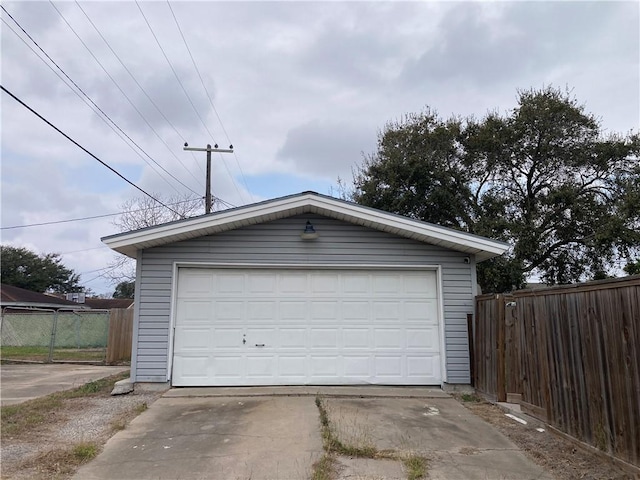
(416, 467)
(325, 468)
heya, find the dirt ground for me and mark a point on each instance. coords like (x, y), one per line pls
(562, 458)
(51, 450)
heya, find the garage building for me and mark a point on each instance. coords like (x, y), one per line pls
(302, 290)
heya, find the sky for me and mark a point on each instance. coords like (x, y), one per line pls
(301, 90)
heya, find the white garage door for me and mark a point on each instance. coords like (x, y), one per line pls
(300, 327)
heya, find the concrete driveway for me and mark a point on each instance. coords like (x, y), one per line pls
(249, 435)
(25, 382)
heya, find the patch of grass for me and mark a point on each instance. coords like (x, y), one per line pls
(61, 462)
(325, 468)
(332, 444)
(141, 408)
(469, 397)
(416, 467)
(41, 353)
(35, 354)
(85, 451)
(118, 425)
(26, 416)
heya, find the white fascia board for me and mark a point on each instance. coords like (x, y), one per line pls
(422, 229)
(246, 216)
(128, 243)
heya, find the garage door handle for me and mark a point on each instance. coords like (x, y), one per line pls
(259, 344)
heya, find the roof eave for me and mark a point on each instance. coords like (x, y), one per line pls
(129, 243)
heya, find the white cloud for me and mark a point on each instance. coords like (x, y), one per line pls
(302, 89)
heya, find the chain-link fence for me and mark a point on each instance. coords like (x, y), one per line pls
(40, 335)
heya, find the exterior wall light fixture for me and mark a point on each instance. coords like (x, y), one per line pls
(309, 232)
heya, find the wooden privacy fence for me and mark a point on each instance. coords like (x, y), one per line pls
(570, 355)
(120, 335)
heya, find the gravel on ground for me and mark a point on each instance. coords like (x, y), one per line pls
(45, 453)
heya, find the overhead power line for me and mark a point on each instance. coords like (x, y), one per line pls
(115, 214)
(121, 91)
(155, 105)
(85, 150)
(204, 86)
(104, 117)
(186, 94)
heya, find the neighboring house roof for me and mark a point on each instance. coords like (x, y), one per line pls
(11, 296)
(107, 303)
(128, 243)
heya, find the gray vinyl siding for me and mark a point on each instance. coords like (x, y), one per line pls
(279, 242)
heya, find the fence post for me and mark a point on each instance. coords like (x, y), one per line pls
(106, 336)
(500, 350)
(53, 336)
(472, 360)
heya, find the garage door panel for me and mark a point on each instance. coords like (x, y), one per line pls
(261, 310)
(292, 338)
(261, 366)
(324, 309)
(422, 366)
(228, 366)
(324, 283)
(290, 366)
(425, 338)
(261, 283)
(228, 310)
(231, 283)
(356, 338)
(387, 283)
(195, 310)
(323, 338)
(424, 286)
(388, 366)
(194, 284)
(193, 368)
(388, 338)
(227, 338)
(357, 366)
(317, 327)
(261, 336)
(421, 311)
(293, 284)
(189, 339)
(292, 310)
(356, 284)
(324, 367)
(387, 311)
(355, 311)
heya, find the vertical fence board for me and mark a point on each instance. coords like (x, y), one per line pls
(573, 353)
(120, 335)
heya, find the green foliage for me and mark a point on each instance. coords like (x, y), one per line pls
(416, 467)
(543, 178)
(633, 268)
(39, 273)
(85, 451)
(125, 289)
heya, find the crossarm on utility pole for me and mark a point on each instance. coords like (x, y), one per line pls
(208, 149)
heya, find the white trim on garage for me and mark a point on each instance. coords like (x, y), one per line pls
(308, 202)
(378, 267)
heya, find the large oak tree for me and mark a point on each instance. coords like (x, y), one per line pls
(543, 177)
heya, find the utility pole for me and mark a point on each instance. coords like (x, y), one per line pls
(207, 195)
